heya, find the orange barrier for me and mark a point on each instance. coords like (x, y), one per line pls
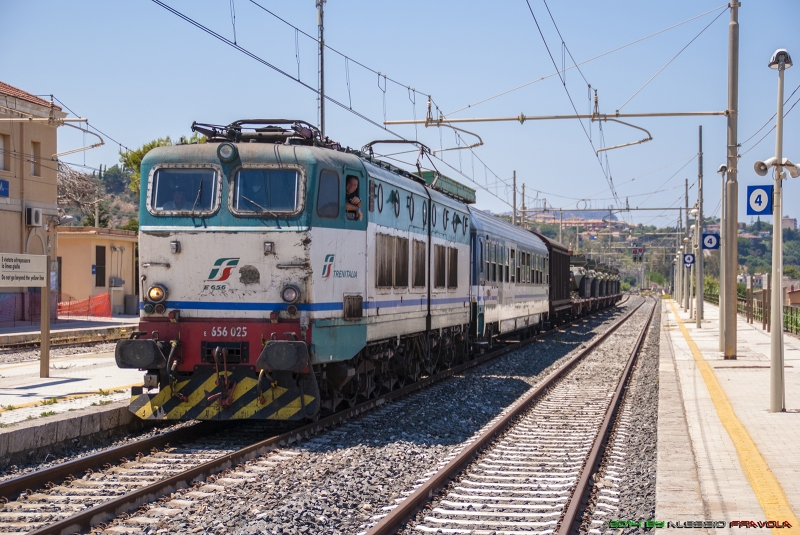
(96, 306)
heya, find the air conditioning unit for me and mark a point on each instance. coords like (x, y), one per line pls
(115, 282)
(33, 217)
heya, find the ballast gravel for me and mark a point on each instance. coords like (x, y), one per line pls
(342, 480)
(628, 471)
(13, 356)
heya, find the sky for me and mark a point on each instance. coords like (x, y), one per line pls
(137, 71)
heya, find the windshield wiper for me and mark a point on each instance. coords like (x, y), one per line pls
(254, 203)
(197, 199)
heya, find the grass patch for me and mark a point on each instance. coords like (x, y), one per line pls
(51, 401)
(48, 413)
(8, 407)
(104, 392)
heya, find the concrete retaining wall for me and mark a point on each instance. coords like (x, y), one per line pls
(33, 440)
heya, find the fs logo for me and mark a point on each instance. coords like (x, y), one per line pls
(222, 269)
(327, 268)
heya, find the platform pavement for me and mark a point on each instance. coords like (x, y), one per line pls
(76, 382)
(96, 328)
(721, 454)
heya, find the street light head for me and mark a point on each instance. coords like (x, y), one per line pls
(762, 167)
(780, 55)
(686, 240)
(722, 169)
(694, 211)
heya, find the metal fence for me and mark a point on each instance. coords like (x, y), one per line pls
(25, 308)
(791, 314)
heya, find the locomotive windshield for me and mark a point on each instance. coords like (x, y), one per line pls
(265, 190)
(183, 190)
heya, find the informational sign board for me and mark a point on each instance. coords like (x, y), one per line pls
(759, 200)
(711, 241)
(688, 259)
(23, 270)
(4, 188)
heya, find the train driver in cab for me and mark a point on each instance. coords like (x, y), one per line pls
(178, 201)
(352, 202)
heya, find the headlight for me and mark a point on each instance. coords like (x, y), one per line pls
(290, 294)
(157, 293)
(226, 152)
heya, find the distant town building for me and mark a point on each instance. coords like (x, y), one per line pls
(789, 222)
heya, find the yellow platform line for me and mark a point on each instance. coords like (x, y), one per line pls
(67, 397)
(767, 489)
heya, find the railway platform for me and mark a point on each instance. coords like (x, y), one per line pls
(722, 456)
(72, 330)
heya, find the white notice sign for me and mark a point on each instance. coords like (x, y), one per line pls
(23, 270)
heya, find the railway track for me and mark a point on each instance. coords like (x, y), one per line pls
(534, 464)
(33, 344)
(93, 490)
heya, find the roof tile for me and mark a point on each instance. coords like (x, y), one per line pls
(15, 92)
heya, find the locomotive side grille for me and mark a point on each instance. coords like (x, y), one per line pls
(353, 307)
(238, 352)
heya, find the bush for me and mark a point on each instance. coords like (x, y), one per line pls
(625, 286)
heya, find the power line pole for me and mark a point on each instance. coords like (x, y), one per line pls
(514, 212)
(732, 186)
(560, 224)
(687, 249)
(699, 260)
(723, 247)
(321, 97)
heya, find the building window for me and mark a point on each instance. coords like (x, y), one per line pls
(328, 196)
(384, 245)
(401, 263)
(5, 157)
(452, 267)
(36, 158)
(440, 266)
(100, 266)
(418, 261)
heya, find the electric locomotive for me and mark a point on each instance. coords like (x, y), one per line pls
(283, 276)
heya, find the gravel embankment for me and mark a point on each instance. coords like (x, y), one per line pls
(336, 482)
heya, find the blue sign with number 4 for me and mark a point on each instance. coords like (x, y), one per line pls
(759, 200)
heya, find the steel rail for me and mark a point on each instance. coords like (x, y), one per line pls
(11, 488)
(407, 508)
(571, 521)
(106, 511)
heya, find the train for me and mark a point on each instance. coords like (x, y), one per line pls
(283, 276)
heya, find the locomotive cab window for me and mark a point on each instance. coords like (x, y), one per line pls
(452, 267)
(179, 191)
(266, 191)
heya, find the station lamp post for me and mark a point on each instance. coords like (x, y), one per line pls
(722, 170)
(687, 276)
(780, 61)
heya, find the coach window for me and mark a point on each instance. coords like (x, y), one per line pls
(528, 277)
(513, 265)
(505, 261)
(328, 196)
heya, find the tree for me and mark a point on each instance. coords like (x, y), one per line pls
(792, 272)
(132, 224)
(115, 179)
(76, 189)
(103, 212)
(132, 160)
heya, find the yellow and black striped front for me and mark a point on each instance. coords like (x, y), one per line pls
(201, 398)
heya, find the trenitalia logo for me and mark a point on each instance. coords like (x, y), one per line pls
(222, 269)
(327, 267)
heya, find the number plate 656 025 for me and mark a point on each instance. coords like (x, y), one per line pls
(232, 332)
